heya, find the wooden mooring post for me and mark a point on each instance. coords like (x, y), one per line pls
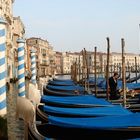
(95, 72)
(123, 73)
(85, 69)
(136, 68)
(107, 68)
(79, 68)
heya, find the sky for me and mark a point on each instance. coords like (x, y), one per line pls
(71, 25)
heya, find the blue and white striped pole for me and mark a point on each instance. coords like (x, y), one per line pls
(3, 106)
(21, 68)
(33, 66)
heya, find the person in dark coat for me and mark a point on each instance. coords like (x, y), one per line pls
(114, 93)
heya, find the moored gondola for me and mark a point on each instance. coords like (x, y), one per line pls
(75, 101)
(62, 80)
(131, 80)
(61, 83)
(60, 93)
(127, 77)
(84, 112)
(33, 133)
(109, 127)
(73, 117)
(66, 88)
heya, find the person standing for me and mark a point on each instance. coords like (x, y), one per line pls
(114, 93)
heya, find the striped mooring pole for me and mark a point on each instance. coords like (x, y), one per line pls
(3, 106)
(21, 68)
(33, 66)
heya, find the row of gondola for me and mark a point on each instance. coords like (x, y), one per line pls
(68, 112)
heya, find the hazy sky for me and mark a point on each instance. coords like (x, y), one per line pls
(71, 25)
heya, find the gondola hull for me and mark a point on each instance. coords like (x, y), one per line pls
(63, 133)
(60, 93)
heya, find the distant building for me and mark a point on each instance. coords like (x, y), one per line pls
(68, 59)
(58, 62)
(115, 61)
(99, 61)
(44, 55)
(129, 58)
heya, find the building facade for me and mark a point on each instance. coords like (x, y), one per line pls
(131, 60)
(6, 12)
(44, 55)
(58, 62)
(69, 59)
(115, 61)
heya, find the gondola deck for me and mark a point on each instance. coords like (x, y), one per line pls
(75, 101)
(85, 112)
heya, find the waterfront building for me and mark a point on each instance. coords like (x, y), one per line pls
(115, 61)
(58, 62)
(91, 61)
(69, 59)
(129, 58)
(15, 29)
(51, 60)
(7, 13)
(66, 63)
(44, 55)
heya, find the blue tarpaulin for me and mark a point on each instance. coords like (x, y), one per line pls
(107, 122)
(61, 83)
(87, 112)
(66, 88)
(76, 100)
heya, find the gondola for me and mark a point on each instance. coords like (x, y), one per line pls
(127, 77)
(66, 88)
(108, 127)
(131, 80)
(75, 101)
(61, 93)
(84, 112)
(59, 83)
(62, 80)
(65, 126)
(33, 133)
(91, 81)
(131, 86)
(99, 91)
